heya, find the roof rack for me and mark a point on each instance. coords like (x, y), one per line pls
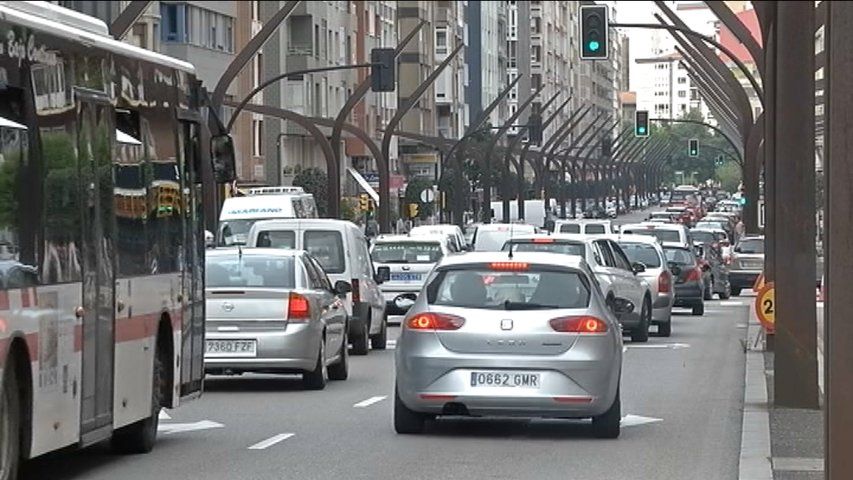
(275, 191)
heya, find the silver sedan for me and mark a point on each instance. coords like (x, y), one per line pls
(274, 311)
(525, 335)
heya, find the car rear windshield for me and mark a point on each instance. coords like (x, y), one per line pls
(642, 253)
(566, 248)
(570, 228)
(661, 235)
(595, 228)
(406, 252)
(753, 245)
(234, 232)
(327, 247)
(704, 237)
(249, 271)
(534, 289)
(276, 239)
(679, 256)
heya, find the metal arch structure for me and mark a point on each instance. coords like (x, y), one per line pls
(384, 170)
(357, 132)
(543, 166)
(332, 169)
(697, 122)
(248, 52)
(125, 20)
(739, 30)
(487, 184)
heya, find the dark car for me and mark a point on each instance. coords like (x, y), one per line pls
(595, 211)
(689, 285)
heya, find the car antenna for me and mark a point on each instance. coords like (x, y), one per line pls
(509, 255)
(239, 251)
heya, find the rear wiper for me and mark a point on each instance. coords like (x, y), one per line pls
(510, 305)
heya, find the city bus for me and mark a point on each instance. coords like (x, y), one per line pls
(102, 185)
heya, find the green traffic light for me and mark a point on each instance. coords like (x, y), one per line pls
(594, 46)
(641, 129)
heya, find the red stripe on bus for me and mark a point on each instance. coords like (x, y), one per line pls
(25, 298)
(32, 345)
(4, 300)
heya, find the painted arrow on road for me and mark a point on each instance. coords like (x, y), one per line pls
(170, 428)
(636, 420)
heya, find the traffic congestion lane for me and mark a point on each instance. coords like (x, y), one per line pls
(682, 398)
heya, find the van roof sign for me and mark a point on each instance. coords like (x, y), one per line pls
(276, 191)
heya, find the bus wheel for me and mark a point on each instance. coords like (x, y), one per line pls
(10, 426)
(139, 437)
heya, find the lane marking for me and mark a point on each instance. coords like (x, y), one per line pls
(661, 346)
(624, 348)
(391, 344)
(264, 444)
(163, 415)
(732, 303)
(370, 401)
(170, 428)
(636, 420)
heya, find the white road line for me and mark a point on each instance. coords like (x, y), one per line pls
(370, 401)
(264, 444)
(624, 348)
(391, 344)
(732, 303)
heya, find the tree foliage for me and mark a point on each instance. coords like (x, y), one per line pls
(729, 176)
(315, 181)
(711, 145)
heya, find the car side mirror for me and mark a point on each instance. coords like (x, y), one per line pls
(675, 269)
(342, 288)
(622, 306)
(222, 158)
(383, 274)
(638, 267)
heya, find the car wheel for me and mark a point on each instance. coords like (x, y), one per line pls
(641, 333)
(708, 294)
(736, 291)
(407, 421)
(317, 378)
(340, 370)
(139, 437)
(665, 328)
(699, 309)
(10, 425)
(608, 424)
(379, 340)
(361, 339)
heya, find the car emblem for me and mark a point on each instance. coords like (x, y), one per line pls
(506, 324)
(406, 268)
(227, 306)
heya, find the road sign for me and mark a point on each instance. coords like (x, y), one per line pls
(759, 282)
(761, 214)
(765, 307)
(427, 196)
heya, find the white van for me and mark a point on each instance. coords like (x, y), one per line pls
(452, 232)
(585, 227)
(341, 249)
(490, 237)
(239, 213)
(534, 211)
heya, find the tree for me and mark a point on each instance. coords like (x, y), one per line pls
(711, 145)
(729, 176)
(315, 181)
(413, 195)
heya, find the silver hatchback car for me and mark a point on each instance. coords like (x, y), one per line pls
(522, 335)
(274, 311)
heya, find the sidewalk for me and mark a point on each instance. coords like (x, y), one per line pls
(777, 443)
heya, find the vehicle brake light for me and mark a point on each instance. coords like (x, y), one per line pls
(579, 324)
(543, 240)
(664, 282)
(435, 321)
(298, 308)
(509, 266)
(356, 292)
(695, 275)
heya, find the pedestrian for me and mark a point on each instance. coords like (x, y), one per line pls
(740, 230)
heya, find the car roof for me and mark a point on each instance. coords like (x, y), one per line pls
(710, 230)
(542, 258)
(331, 223)
(442, 227)
(751, 237)
(251, 251)
(678, 245)
(654, 226)
(440, 239)
(577, 237)
(502, 227)
(645, 239)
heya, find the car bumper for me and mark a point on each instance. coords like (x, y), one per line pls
(743, 278)
(579, 383)
(688, 294)
(292, 349)
(662, 307)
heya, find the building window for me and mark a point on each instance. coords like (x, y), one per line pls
(183, 23)
(536, 53)
(536, 25)
(316, 41)
(682, 94)
(174, 22)
(682, 80)
(257, 137)
(535, 81)
(257, 70)
(441, 41)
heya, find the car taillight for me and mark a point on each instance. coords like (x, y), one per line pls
(356, 292)
(579, 324)
(543, 240)
(695, 275)
(298, 308)
(509, 266)
(435, 321)
(664, 282)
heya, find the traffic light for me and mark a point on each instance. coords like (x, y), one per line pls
(413, 210)
(593, 30)
(693, 147)
(534, 129)
(719, 161)
(743, 200)
(383, 70)
(363, 202)
(641, 123)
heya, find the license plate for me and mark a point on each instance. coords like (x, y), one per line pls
(406, 277)
(231, 348)
(505, 379)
